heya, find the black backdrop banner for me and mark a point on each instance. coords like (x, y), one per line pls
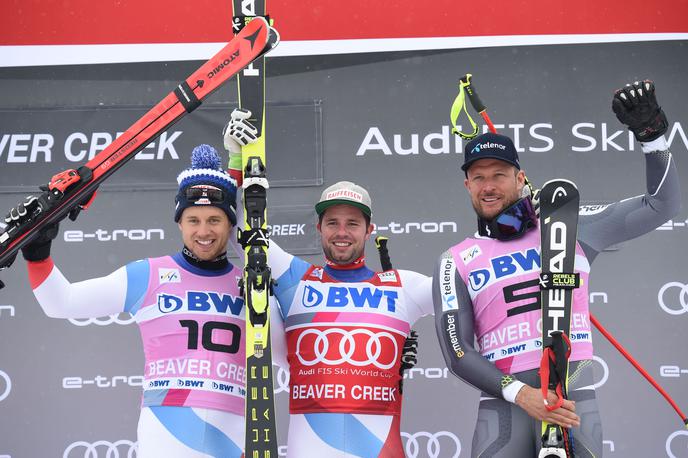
(380, 120)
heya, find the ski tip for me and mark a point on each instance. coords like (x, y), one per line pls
(559, 180)
(273, 40)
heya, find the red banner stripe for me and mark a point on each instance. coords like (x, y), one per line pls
(45, 22)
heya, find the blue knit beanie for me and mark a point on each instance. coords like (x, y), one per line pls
(206, 183)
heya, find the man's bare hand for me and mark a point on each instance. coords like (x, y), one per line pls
(530, 400)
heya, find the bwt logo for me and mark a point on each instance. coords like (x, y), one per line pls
(102, 235)
(119, 449)
(502, 266)
(8, 385)
(675, 302)
(117, 318)
(444, 444)
(343, 296)
(198, 301)
(513, 349)
(69, 383)
(476, 149)
(190, 383)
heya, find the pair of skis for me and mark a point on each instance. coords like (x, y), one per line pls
(256, 283)
(70, 191)
(559, 205)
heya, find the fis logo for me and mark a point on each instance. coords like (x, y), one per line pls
(169, 275)
(198, 301)
(502, 266)
(470, 254)
(476, 149)
(345, 296)
(317, 273)
(387, 277)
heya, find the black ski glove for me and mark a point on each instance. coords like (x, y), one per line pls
(39, 248)
(409, 356)
(635, 105)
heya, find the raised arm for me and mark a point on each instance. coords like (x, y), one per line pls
(636, 106)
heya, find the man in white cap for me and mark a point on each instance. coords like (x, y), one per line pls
(345, 326)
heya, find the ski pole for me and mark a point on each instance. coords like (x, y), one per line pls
(638, 367)
(459, 105)
(386, 264)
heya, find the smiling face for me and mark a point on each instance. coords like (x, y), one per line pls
(343, 232)
(205, 231)
(493, 185)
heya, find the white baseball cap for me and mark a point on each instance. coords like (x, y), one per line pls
(345, 192)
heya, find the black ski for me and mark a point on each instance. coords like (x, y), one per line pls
(559, 201)
(261, 431)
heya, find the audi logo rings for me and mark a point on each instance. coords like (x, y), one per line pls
(105, 320)
(674, 309)
(281, 379)
(8, 385)
(670, 440)
(434, 446)
(347, 347)
(110, 449)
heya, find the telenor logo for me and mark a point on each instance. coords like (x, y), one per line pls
(480, 146)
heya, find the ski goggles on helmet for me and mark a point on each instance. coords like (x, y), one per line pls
(204, 195)
(511, 223)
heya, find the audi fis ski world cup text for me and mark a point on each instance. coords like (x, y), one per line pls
(535, 138)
